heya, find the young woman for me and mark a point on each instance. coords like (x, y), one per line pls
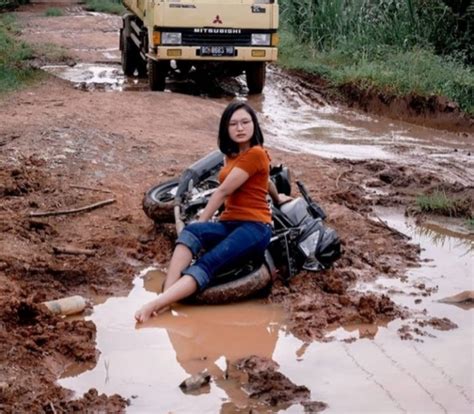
(243, 229)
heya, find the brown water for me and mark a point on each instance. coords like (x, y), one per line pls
(298, 123)
(377, 373)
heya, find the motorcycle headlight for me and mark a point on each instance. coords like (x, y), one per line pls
(308, 245)
(261, 39)
(171, 38)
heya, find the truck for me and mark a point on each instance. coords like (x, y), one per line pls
(221, 36)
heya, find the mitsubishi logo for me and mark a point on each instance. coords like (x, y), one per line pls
(217, 20)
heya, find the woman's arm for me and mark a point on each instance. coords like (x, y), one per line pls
(233, 181)
(278, 198)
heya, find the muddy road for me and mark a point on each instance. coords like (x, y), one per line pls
(370, 330)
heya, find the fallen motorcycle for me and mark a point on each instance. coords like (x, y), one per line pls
(300, 239)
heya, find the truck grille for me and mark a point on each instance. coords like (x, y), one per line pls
(210, 39)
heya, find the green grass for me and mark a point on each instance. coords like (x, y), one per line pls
(105, 6)
(53, 12)
(397, 46)
(440, 203)
(386, 68)
(14, 72)
(470, 223)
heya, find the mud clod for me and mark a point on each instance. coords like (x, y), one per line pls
(265, 384)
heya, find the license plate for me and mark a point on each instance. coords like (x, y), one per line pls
(217, 51)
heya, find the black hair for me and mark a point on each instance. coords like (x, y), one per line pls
(224, 141)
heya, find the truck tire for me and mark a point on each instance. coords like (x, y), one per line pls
(255, 74)
(157, 71)
(158, 202)
(236, 290)
(130, 54)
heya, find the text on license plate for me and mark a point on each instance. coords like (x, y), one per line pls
(217, 51)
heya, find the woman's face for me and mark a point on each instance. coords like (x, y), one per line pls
(241, 127)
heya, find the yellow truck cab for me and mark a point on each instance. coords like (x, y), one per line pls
(233, 35)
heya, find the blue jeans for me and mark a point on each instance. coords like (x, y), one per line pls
(226, 243)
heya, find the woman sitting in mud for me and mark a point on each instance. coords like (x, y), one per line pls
(243, 229)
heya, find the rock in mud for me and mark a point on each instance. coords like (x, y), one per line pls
(441, 324)
(195, 382)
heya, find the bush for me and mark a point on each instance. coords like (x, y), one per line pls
(403, 46)
(105, 6)
(13, 53)
(53, 12)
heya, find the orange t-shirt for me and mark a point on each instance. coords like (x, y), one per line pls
(249, 201)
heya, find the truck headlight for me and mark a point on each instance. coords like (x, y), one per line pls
(260, 39)
(171, 38)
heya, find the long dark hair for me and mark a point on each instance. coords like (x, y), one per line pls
(226, 145)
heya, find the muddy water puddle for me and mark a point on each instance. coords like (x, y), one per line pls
(302, 124)
(90, 76)
(365, 368)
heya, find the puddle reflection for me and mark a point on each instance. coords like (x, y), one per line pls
(150, 362)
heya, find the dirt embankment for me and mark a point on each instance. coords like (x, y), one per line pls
(430, 111)
(62, 148)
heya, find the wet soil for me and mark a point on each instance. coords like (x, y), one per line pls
(63, 147)
(432, 111)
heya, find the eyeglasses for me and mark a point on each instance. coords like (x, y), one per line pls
(243, 123)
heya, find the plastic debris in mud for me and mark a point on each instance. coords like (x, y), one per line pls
(67, 306)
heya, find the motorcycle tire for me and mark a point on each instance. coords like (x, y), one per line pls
(158, 202)
(235, 290)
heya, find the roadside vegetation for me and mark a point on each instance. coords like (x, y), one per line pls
(13, 56)
(105, 6)
(53, 12)
(440, 203)
(395, 46)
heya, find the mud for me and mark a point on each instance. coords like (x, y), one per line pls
(433, 111)
(263, 382)
(62, 147)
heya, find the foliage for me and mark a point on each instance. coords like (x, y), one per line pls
(13, 53)
(440, 203)
(403, 46)
(105, 6)
(365, 24)
(53, 12)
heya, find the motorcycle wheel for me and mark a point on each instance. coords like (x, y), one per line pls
(158, 202)
(236, 290)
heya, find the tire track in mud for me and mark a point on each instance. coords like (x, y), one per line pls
(409, 374)
(372, 377)
(444, 374)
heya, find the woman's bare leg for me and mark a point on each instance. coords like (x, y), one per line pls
(184, 287)
(180, 260)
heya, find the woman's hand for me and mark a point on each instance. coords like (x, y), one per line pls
(145, 312)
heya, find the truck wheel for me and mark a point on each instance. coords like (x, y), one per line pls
(130, 55)
(236, 290)
(255, 74)
(157, 71)
(158, 202)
